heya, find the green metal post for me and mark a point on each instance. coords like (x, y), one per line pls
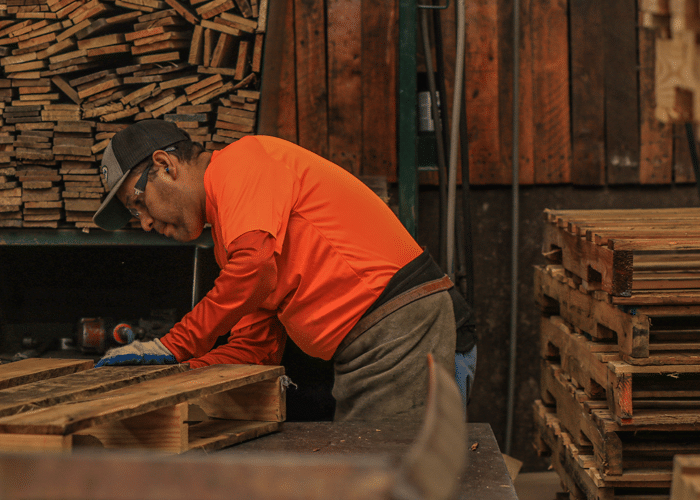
(407, 175)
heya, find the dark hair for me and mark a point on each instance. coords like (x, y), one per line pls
(184, 151)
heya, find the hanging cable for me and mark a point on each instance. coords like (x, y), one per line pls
(515, 226)
(435, 111)
(454, 138)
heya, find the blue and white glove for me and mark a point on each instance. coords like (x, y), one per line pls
(138, 353)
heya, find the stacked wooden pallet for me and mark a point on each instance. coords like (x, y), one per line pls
(74, 72)
(620, 348)
(60, 405)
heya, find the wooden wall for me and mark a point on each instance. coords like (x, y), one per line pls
(586, 100)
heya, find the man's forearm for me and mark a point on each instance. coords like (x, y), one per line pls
(243, 285)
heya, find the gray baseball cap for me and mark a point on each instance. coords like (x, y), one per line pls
(128, 148)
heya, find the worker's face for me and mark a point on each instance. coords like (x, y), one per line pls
(170, 202)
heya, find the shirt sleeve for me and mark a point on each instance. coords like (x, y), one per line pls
(250, 191)
(261, 343)
(248, 277)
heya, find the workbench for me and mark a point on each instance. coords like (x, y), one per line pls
(485, 477)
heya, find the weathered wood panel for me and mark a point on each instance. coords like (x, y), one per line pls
(481, 93)
(311, 75)
(656, 138)
(344, 33)
(587, 93)
(621, 91)
(379, 82)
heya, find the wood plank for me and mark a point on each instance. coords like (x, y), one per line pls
(344, 83)
(261, 401)
(35, 369)
(682, 165)
(216, 434)
(312, 88)
(76, 386)
(164, 430)
(656, 141)
(587, 93)
(505, 82)
(621, 91)
(551, 92)
(481, 94)
(278, 114)
(137, 399)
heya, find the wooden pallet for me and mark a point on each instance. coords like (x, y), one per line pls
(431, 468)
(627, 251)
(645, 335)
(168, 409)
(577, 471)
(616, 448)
(630, 390)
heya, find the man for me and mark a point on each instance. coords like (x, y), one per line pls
(305, 250)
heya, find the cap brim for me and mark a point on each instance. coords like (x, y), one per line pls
(112, 214)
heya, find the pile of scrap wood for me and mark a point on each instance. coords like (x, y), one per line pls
(74, 72)
(620, 348)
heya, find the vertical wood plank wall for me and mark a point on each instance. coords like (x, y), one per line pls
(586, 81)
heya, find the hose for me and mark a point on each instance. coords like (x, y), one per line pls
(515, 233)
(454, 138)
(435, 111)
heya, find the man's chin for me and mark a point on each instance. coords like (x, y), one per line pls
(187, 237)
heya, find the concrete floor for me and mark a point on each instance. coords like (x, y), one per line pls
(537, 485)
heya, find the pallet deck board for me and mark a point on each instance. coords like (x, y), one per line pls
(77, 386)
(32, 370)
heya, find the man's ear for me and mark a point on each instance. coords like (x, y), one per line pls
(163, 161)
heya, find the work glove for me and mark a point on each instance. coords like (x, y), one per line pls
(138, 353)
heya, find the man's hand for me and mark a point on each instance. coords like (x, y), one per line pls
(138, 353)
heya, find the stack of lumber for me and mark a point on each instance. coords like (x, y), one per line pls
(74, 72)
(61, 405)
(620, 348)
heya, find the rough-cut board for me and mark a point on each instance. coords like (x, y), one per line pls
(656, 138)
(155, 413)
(379, 80)
(311, 78)
(481, 92)
(32, 370)
(551, 110)
(587, 93)
(621, 91)
(76, 386)
(344, 38)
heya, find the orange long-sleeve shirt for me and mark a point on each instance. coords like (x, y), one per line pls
(302, 244)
